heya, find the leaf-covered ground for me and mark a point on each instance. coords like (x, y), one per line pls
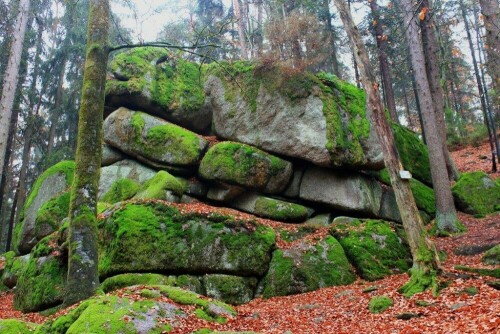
(466, 304)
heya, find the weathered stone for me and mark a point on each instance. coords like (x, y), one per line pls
(194, 187)
(52, 183)
(191, 283)
(154, 80)
(372, 247)
(224, 193)
(142, 135)
(324, 219)
(476, 193)
(342, 191)
(13, 268)
(271, 208)
(245, 166)
(154, 237)
(125, 169)
(158, 187)
(317, 119)
(307, 267)
(293, 189)
(110, 155)
(230, 289)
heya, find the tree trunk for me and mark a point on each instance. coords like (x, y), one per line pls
(491, 14)
(11, 77)
(425, 258)
(446, 214)
(241, 28)
(490, 124)
(55, 112)
(83, 279)
(432, 62)
(259, 38)
(326, 17)
(407, 109)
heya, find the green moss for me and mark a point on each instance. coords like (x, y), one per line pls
(121, 190)
(481, 271)
(476, 193)
(40, 285)
(102, 206)
(51, 214)
(13, 268)
(435, 231)
(413, 153)
(124, 280)
(155, 187)
(45, 246)
(12, 326)
(492, 256)
(380, 304)
(61, 324)
(373, 247)
(230, 289)
(180, 145)
(157, 237)
(280, 210)
(471, 290)
(307, 268)
(241, 164)
(420, 281)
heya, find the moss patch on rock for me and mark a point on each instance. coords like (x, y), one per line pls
(230, 289)
(307, 267)
(187, 282)
(13, 267)
(492, 256)
(476, 193)
(51, 214)
(247, 166)
(280, 210)
(380, 304)
(121, 190)
(373, 247)
(156, 187)
(16, 327)
(155, 237)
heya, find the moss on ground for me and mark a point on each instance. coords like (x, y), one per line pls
(121, 190)
(492, 256)
(156, 187)
(476, 193)
(373, 247)
(380, 304)
(12, 326)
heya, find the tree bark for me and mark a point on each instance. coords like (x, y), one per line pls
(425, 258)
(241, 28)
(446, 214)
(326, 17)
(432, 62)
(11, 77)
(491, 14)
(83, 279)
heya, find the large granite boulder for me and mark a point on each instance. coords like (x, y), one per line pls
(233, 290)
(157, 82)
(314, 118)
(154, 237)
(54, 182)
(246, 166)
(477, 193)
(344, 191)
(307, 266)
(14, 266)
(373, 247)
(152, 139)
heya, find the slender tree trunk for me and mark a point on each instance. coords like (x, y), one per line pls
(490, 124)
(241, 28)
(407, 109)
(259, 39)
(491, 15)
(326, 17)
(446, 214)
(354, 60)
(11, 77)
(83, 279)
(431, 50)
(56, 109)
(419, 109)
(425, 258)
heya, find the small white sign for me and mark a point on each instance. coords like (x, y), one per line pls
(404, 174)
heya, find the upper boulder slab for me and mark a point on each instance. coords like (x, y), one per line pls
(150, 138)
(159, 83)
(244, 165)
(314, 118)
(347, 192)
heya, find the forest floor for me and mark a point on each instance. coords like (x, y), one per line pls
(466, 304)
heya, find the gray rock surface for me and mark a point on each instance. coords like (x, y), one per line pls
(110, 155)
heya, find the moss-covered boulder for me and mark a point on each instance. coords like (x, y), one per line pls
(297, 114)
(191, 283)
(246, 166)
(373, 247)
(413, 153)
(155, 237)
(110, 155)
(350, 192)
(160, 83)
(230, 289)
(13, 267)
(492, 256)
(157, 187)
(271, 208)
(307, 266)
(50, 216)
(152, 139)
(12, 326)
(54, 182)
(476, 193)
(121, 190)
(41, 284)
